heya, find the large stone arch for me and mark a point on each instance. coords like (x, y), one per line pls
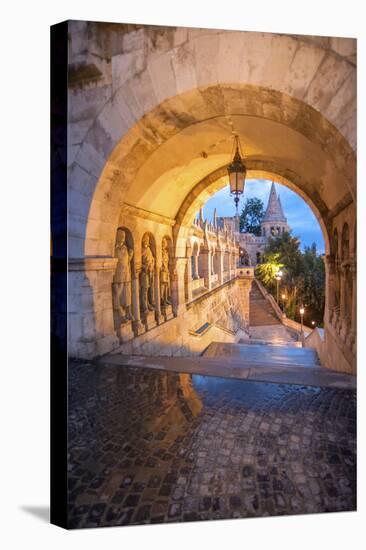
(141, 173)
(157, 119)
(177, 78)
(256, 169)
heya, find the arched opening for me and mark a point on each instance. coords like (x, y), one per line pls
(185, 137)
(158, 163)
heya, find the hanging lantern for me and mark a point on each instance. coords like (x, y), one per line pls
(237, 173)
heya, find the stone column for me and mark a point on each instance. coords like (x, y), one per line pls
(157, 293)
(221, 267)
(196, 270)
(350, 322)
(345, 324)
(91, 330)
(354, 303)
(342, 297)
(136, 324)
(193, 266)
(206, 256)
(178, 294)
(188, 282)
(329, 288)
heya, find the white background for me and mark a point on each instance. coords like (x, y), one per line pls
(24, 303)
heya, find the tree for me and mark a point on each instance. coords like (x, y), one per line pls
(267, 270)
(288, 249)
(314, 285)
(251, 216)
(303, 279)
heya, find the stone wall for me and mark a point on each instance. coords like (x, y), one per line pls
(136, 91)
(199, 306)
(151, 111)
(220, 315)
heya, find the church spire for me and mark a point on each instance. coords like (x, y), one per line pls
(274, 211)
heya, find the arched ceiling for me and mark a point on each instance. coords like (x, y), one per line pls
(161, 97)
(174, 169)
(161, 160)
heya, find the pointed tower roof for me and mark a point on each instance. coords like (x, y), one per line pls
(274, 211)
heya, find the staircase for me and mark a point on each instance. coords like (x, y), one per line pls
(251, 355)
(264, 325)
(261, 312)
(273, 364)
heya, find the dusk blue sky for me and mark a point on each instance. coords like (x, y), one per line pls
(299, 216)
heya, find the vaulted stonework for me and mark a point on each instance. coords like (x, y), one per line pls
(190, 394)
(151, 116)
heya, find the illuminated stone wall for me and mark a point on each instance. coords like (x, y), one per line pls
(152, 112)
(207, 298)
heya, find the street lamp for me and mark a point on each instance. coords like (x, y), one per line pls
(302, 311)
(237, 172)
(278, 278)
(283, 296)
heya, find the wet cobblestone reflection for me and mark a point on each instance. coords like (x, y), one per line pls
(148, 446)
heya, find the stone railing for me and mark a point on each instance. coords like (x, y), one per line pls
(294, 325)
(315, 340)
(289, 323)
(271, 300)
(197, 283)
(342, 332)
(245, 271)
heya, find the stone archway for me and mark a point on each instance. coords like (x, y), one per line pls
(151, 137)
(139, 172)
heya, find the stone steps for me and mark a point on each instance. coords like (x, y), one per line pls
(273, 334)
(258, 341)
(254, 363)
(260, 310)
(254, 354)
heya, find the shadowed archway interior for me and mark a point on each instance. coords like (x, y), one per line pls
(149, 141)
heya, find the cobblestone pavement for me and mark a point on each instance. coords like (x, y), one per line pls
(148, 446)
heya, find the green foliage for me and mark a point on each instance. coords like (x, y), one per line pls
(251, 216)
(267, 270)
(303, 280)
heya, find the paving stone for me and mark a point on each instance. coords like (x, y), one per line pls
(250, 449)
(175, 510)
(132, 500)
(143, 514)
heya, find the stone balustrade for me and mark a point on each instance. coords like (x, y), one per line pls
(147, 283)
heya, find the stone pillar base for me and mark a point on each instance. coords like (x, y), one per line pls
(149, 320)
(167, 312)
(138, 328)
(125, 332)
